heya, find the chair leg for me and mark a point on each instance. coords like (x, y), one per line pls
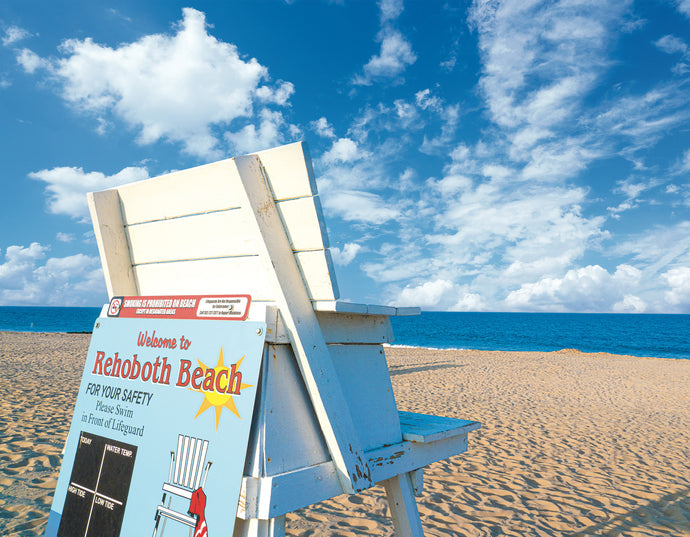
(274, 527)
(403, 506)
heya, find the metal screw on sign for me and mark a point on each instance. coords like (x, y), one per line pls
(259, 331)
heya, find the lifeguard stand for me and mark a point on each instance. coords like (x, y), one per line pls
(325, 420)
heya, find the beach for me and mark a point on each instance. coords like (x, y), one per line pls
(571, 443)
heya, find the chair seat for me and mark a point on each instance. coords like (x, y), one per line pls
(425, 429)
(179, 517)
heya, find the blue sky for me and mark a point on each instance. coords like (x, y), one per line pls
(475, 156)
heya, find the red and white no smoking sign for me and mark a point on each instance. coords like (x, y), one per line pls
(221, 307)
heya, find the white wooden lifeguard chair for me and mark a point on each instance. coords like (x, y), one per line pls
(254, 225)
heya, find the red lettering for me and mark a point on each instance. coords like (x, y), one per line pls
(165, 372)
(235, 375)
(98, 364)
(208, 380)
(219, 387)
(146, 371)
(106, 367)
(135, 364)
(141, 340)
(184, 372)
(198, 373)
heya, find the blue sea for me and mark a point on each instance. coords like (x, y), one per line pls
(663, 336)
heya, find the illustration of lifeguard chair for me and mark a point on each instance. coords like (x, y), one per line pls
(254, 225)
(187, 474)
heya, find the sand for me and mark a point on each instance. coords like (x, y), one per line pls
(571, 444)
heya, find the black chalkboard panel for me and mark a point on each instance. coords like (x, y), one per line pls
(98, 488)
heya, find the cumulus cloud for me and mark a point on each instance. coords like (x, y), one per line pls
(323, 128)
(14, 34)
(678, 279)
(588, 289)
(181, 87)
(66, 187)
(343, 150)
(28, 276)
(346, 255)
(396, 52)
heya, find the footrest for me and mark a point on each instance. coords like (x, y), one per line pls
(425, 428)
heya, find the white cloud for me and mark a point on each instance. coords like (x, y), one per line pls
(395, 56)
(250, 139)
(671, 44)
(179, 87)
(683, 6)
(323, 128)
(25, 278)
(587, 289)
(390, 10)
(30, 61)
(353, 205)
(67, 187)
(64, 237)
(678, 279)
(13, 34)
(346, 255)
(343, 150)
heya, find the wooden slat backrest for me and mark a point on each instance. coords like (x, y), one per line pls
(183, 232)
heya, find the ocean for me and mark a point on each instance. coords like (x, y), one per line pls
(662, 336)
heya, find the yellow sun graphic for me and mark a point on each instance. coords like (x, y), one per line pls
(215, 384)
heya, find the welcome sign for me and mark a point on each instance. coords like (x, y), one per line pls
(160, 428)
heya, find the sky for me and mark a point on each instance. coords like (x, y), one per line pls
(516, 155)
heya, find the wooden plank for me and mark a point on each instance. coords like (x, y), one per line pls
(196, 190)
(240, 275)
(292, 436)
(307, 341)
(381, 310)
(338, 306)
(366, 384)
(338, 328)
(108, 227)
(417, 477)
(318, 274)
(403, 506)
(303, 222)
(407, 311)
(289, 171)
(426, 428)
(195, 237)
(287, 492)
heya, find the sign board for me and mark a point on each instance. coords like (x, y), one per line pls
(226, 307)
(163, 411)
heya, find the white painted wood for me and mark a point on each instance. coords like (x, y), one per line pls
(349, 307)
(318, 274)
(274, 527)
(112, 243)
(307, 341)
(208, 235)
(289, 171)
(366, 384)
(339, 306)
(287, 492)
(400, 312)
(426, 428)
(292, 435)
(238, 275)
(403, 506)
(349, 328)
(303, 222)
(196, 190)
(417, 477)
(381, 310)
